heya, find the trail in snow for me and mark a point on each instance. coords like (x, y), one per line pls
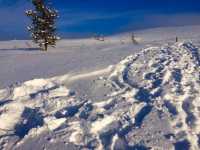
(166, 79)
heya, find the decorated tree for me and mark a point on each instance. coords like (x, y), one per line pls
(43, 24)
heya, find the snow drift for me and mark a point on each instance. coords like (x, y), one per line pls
(164, 78)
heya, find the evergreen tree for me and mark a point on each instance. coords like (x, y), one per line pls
(43, 24)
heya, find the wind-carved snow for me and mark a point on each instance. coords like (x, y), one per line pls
(31, 106)
(166, 79)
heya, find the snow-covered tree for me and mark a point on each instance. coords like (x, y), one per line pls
(43, 24)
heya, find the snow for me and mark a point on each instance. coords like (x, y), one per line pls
(173, 77)
(114, 139)
(77, 133)
(163, 77)
(101, 124)
(32, 94)
(22, 61)
(53, 123)
(10, 115)
(74, 77)
(31, 87)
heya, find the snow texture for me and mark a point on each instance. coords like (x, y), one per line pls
(165, 79)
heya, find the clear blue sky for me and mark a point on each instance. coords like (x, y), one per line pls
(81, 18)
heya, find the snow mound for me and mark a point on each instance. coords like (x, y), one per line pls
(164, 78)
(31, 105)
(167, 78)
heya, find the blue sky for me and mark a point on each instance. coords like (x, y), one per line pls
(82, 18)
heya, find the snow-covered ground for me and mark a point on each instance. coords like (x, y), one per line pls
(22, 61)
(90, 94)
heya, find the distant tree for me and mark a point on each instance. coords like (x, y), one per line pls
(133, 39)
(99, 37)
(102, 37)
(176, 39)
(43, 24)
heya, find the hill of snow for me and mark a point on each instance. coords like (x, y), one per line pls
(150, 100)
(21, 60)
